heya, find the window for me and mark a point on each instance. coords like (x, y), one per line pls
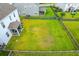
(41, 12)
(2, 24)
(14, 14)
(7, 34)
(10, 18)
(13, 31)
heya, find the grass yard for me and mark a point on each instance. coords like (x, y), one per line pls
(3, 53)
(49, 12)
(69, 16)
(41, 35)
(73, 27)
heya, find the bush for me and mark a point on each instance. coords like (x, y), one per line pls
(73, 14)
(57, 9)
(62, 14)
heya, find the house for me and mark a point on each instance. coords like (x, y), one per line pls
(24, 9)
(67, 6)
(43, 7)
(10, 24)
(32, 9)
(72, 6)
(38, 9)
(60, 5)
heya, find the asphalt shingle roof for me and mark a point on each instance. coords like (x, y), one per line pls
(5, 9)
(14, 25)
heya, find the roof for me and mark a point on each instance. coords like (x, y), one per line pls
(5, 9)
(14, 25)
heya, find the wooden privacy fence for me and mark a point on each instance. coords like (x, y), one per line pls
(15, 52)
(73, 39)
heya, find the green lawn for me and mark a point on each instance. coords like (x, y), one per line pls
(69, 16)
(73, 27)
(49, 12)
(41, 35)
(3, 53)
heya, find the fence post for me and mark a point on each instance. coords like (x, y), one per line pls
(10, 53)
(73, 39)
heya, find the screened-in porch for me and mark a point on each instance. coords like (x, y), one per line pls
(15, 28)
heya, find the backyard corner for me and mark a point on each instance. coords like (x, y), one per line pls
(45, 29)
(73, 26)
(68, 15)
(41, 35)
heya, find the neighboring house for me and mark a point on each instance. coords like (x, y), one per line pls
(37, 9)
(9, 23)
(60, 5)
(32, 9)
(24, 9)
(72, 6)
(43, 7)
(67, 6)
(42, 10)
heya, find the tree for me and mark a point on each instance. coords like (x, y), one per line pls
(62, 14)
(73, 13)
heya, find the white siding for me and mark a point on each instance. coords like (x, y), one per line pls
(75, 5)
(61, 5)
(66, 6)
(7, 21)
(31, 9)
